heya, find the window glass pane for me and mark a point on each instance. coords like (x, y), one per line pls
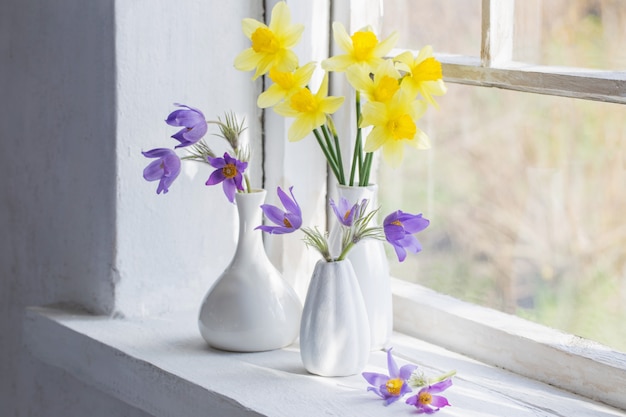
(526, 195)
(429, 22)
(575, 33)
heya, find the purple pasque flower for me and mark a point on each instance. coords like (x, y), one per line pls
(344, 211)
(193, 122)
(166, 168)
(288, 220)
(426, 402)
(229, 172)
(399, 228)
(393, 386)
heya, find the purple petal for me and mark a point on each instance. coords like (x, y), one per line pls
(400, 252)
(188, 118)
(392, 366)
(274, 214)
(406, 371)
(158, 152)
(216, 177)
(415, 224)
(237, 181)
(439, 401)
(440, 386)
(294, 219)
(392, 217)
(393, 232)
(392, 399)
(216, 162)
(153, 171)
(229, 190)
(376, 391)
(412, 400)
(289, 204)
(411, 243)
(375, 378)
(274, 230)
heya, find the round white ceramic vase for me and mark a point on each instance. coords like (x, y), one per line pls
(371, 267)
(250, 307)
(334, 331)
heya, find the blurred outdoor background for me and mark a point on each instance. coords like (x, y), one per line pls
(526, 193)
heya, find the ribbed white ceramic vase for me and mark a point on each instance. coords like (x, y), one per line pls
(334, 331)
(372, 270)
(250, 307)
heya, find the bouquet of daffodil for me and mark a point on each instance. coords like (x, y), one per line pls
(397, 90)
(229, 169)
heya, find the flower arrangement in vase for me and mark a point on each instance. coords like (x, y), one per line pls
(335, 329)
(250, 307)
(391, 94)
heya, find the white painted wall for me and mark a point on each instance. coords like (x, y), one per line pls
(85, 87)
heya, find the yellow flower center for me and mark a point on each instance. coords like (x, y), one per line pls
(425, 398)
(397, 222)
(303, 101)
(386, 88)
(283, 79)
(364, 43)
(394, 386)
(229, 171)
(402, 127)
(287, 223)
(264, 40)
(345, 217)
(428, 70)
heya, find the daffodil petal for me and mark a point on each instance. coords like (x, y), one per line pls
(337, 63)
(281, 17)
(376, 138)
(249, 26)
(247, 60)
(393, 153)
(299, 129)
(374, 113)
(274, 94)
(329, 105)
(384, 47)
(284, 109)
(303, 75)
(291, 36)
(341, 37)
(359, 77)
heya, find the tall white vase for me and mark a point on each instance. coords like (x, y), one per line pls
(372, 271)
(250, 307)
(334, 332)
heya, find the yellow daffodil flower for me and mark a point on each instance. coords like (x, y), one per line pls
(285, 85)
(382, 87)
(424, 74)
(309, 110)
(361, 48)
(394, 125)
(270, 44)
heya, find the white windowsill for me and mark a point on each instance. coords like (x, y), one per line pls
(162, 366)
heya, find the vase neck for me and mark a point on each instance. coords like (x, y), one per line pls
(248, 208)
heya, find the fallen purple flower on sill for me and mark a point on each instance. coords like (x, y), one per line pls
(426, 402)
(393, 386)
(193, 122)
(229, 172)
(399, 228)
(165, 169)
(344, 211)
(288, 221)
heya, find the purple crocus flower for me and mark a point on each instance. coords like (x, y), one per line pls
(288, 221)
(426, 402)
(344, 211)
(165, 169)
(193, 122)
(399, 228)
(393, 386)
(229, 172)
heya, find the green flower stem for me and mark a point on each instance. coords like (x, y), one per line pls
(329, 157)
(357, 156)
(345, 251)
(339, 159)
(367, 167)
(248, 188)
